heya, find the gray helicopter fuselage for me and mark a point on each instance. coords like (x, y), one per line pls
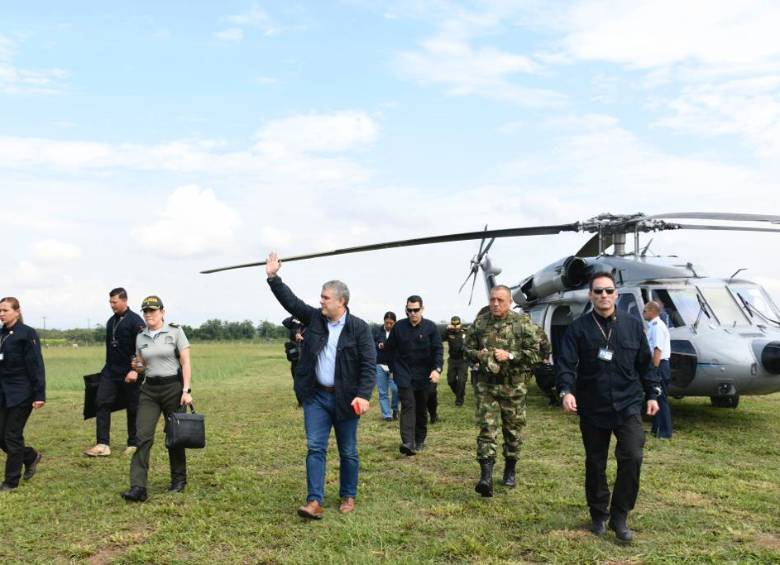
(725, 341)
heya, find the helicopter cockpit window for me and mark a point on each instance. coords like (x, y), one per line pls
(627, 303)
(757, 299)
(670, 315)
(685, 307)
(723, 305)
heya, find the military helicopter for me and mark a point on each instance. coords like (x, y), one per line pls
(725, 331)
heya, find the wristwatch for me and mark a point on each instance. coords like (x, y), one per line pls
(188, 391)
(511, 357)
(438, 370)
(563, 393)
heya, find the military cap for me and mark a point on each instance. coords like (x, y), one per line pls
(455, 320)
(152, 303)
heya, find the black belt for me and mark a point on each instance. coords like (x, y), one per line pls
(330, 389)
(162, 380)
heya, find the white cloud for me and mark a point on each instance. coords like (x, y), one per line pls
(318, 133)
(469, 71)
(256, 18)
(16, 80)
(193, 222)
(230, 34)
(54, 251)
(656, 33)
(290, 149)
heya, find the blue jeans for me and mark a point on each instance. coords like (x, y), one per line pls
(319, 416)
(383, 383)
(662, 421)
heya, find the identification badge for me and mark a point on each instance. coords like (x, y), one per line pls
(1, 356)
(114, 343)
(605, 354)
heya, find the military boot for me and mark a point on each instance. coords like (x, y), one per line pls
(509, 472)
(485, 484)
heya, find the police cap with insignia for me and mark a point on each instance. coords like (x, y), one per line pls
(152, 303)
(455, 320)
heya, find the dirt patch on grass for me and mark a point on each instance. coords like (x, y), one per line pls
(768, 541)
(117, 546)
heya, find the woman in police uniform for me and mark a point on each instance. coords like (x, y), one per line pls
(163, 356)
(22, 388)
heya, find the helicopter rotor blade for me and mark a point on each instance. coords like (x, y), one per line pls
(472, 272)
(724, 228)
(473, 284)
(465, 236)
(726, 216)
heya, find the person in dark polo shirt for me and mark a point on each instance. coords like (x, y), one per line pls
(604, 376)
(416, 355)
(117, 377)
(22, 390)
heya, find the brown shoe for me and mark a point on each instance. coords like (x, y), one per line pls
(347, 505)
(312, 510)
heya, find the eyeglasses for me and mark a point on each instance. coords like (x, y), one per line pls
(413, 310)
(603, 290)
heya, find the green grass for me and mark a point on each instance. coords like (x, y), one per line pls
(709, 496)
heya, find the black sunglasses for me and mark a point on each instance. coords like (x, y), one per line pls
(603, 290)
(413, 310)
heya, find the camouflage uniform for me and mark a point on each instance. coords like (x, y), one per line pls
(502, 386)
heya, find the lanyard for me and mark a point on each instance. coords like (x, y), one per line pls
(116, 325)
(607, 337)
(3, 339)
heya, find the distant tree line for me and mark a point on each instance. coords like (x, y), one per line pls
(210, 330)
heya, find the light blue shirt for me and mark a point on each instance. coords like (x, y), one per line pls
(658, 336)
(326, 360)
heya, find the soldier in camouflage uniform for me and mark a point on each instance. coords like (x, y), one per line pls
(506, 346)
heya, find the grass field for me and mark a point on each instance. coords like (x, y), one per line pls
(711, 495)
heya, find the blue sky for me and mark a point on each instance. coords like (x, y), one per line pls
(143, 142)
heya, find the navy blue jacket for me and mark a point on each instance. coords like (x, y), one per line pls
(355, 355)
(414, 351)
(607, 392)
(125, 331)
(22, 375)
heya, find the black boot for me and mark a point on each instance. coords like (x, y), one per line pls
(509, 472)
(485, 484)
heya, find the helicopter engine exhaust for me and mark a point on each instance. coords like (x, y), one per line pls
(770, 357)
(571, 274)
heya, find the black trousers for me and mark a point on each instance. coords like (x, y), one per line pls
(109, 389)
(432, 403)
(12, 422)
(457, 370)
(628, 452)
(414, 416)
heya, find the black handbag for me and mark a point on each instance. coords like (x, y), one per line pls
(183, 429)
(91, 384)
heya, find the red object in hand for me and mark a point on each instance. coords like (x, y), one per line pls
(356, 408)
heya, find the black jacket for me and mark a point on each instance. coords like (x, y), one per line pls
(382, 357)
(607, 392)
(22, 375)
(118, 355)
(414, 352)
(355, 355)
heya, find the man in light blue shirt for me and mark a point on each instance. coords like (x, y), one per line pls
(326, 360)
(661, 350)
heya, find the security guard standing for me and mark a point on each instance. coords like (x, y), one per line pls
(506, 345)
(163, 355)
(22, 389)
(121, 331)
(457, 366)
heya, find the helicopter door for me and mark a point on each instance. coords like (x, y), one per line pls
(559, 321)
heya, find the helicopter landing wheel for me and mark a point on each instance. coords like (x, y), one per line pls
(731, 401)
